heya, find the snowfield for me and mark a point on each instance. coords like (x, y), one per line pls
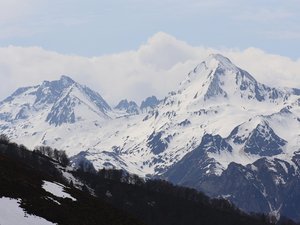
(12, 214)
(57, 190)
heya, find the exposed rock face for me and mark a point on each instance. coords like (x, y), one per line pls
(129, 107)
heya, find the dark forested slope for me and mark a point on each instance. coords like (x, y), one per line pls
(22, 173)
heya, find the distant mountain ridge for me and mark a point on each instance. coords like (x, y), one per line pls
(219, 129)
(61, 97)
(131, 108)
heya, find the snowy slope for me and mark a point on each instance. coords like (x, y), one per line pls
(12, 214)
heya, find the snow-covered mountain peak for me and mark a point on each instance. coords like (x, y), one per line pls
(129, 107)
(58, 85)
(74, 102)
(49, 91)
(66, 81)
(212, 64)
(217, 77)
(218, 60)
(214, 76)
(149, 104)
(57, 102)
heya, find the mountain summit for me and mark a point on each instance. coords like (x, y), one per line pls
(218, 77)
(62, 101)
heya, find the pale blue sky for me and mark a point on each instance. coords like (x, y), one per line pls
(98, 27)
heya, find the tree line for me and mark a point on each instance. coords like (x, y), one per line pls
(57, 155)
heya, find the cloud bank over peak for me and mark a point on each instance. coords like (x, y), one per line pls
(163, 51)
(156, 67)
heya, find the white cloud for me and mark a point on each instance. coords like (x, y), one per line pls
(170, 51)
(273, 70)
(157, 67)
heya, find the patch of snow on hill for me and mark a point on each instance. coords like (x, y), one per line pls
(12, 214)
(57, 190)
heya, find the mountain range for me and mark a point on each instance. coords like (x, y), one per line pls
(221, 132)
